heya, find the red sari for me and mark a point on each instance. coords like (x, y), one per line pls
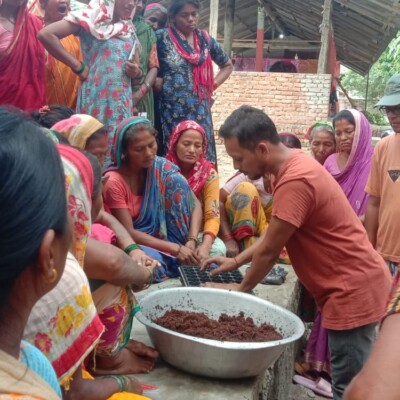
(22, 66)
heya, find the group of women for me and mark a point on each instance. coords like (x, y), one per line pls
(111, 71)
(82, 321)
(157, 213)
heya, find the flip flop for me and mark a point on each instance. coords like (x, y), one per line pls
(320, 386)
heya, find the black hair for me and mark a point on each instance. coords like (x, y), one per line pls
(177, 5)
(133, 130)
(49, 115)
(249, 125)
(60, 137)
(293, 140)
(96, 135)
(32, 196)
(344, 114)
(17, 111)
(94, 162)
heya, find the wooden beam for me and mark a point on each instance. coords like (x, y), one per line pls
(213, 28)
(326, 25)
(228, 25)
(272, 16)
(278, 44)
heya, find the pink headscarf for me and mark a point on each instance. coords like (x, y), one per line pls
(353, 177)
(150, 5)
(201, 169)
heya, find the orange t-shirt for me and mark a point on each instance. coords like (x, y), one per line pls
(117, 194)
(384, 182)
(330, 250)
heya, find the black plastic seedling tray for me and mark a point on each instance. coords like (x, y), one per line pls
(192, 276)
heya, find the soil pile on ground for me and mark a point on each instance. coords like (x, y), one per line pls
(228, 328)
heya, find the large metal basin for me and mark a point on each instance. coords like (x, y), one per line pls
(214, 358)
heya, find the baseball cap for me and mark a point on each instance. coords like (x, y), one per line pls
(391, 96)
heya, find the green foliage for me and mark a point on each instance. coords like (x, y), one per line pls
(375, 117)
(387, 65)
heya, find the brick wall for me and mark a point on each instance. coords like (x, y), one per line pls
(293, 101)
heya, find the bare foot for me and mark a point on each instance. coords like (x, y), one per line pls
(134, 358)
(140, 349)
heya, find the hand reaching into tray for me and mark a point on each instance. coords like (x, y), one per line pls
(223, 264)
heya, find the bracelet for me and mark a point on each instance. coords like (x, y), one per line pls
(147, 84)
(125, 384)
(215, 85)
(120, 381)
(81, 69)
(192, 238)
(150, 280)
(131, 247)
(237, 264)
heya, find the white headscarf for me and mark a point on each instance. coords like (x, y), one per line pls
(97, 17)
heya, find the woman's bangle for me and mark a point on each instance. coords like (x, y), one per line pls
(81, 69)
(192, 238)
(236, 261)
(147, 84)
(131, 247)
(150, 279)
(215, 85)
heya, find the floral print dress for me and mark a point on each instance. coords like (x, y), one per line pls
(107, 93)
(178, 100)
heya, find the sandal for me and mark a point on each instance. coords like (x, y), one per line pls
(320, 386)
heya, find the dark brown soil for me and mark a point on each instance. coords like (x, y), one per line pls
(230, 329)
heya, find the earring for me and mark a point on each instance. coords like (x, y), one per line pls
(54, 275)
(123, 157)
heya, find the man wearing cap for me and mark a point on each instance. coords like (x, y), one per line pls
(382, 218)
(379, 379)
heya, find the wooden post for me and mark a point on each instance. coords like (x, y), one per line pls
(228, 25)
(213, 29)
(260, 39)
(325, 35)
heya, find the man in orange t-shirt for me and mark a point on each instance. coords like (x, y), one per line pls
(327, 243)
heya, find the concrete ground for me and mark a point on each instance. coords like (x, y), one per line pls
(298, 392)
(226, 170)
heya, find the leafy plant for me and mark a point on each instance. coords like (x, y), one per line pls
(387, 65)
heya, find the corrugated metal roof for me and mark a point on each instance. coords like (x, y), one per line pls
(362, 28)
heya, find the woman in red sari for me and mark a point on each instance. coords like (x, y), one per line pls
(22, 58)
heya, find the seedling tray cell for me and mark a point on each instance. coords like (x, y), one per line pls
(192, 276)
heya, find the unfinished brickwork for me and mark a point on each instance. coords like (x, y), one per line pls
(293, 101)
